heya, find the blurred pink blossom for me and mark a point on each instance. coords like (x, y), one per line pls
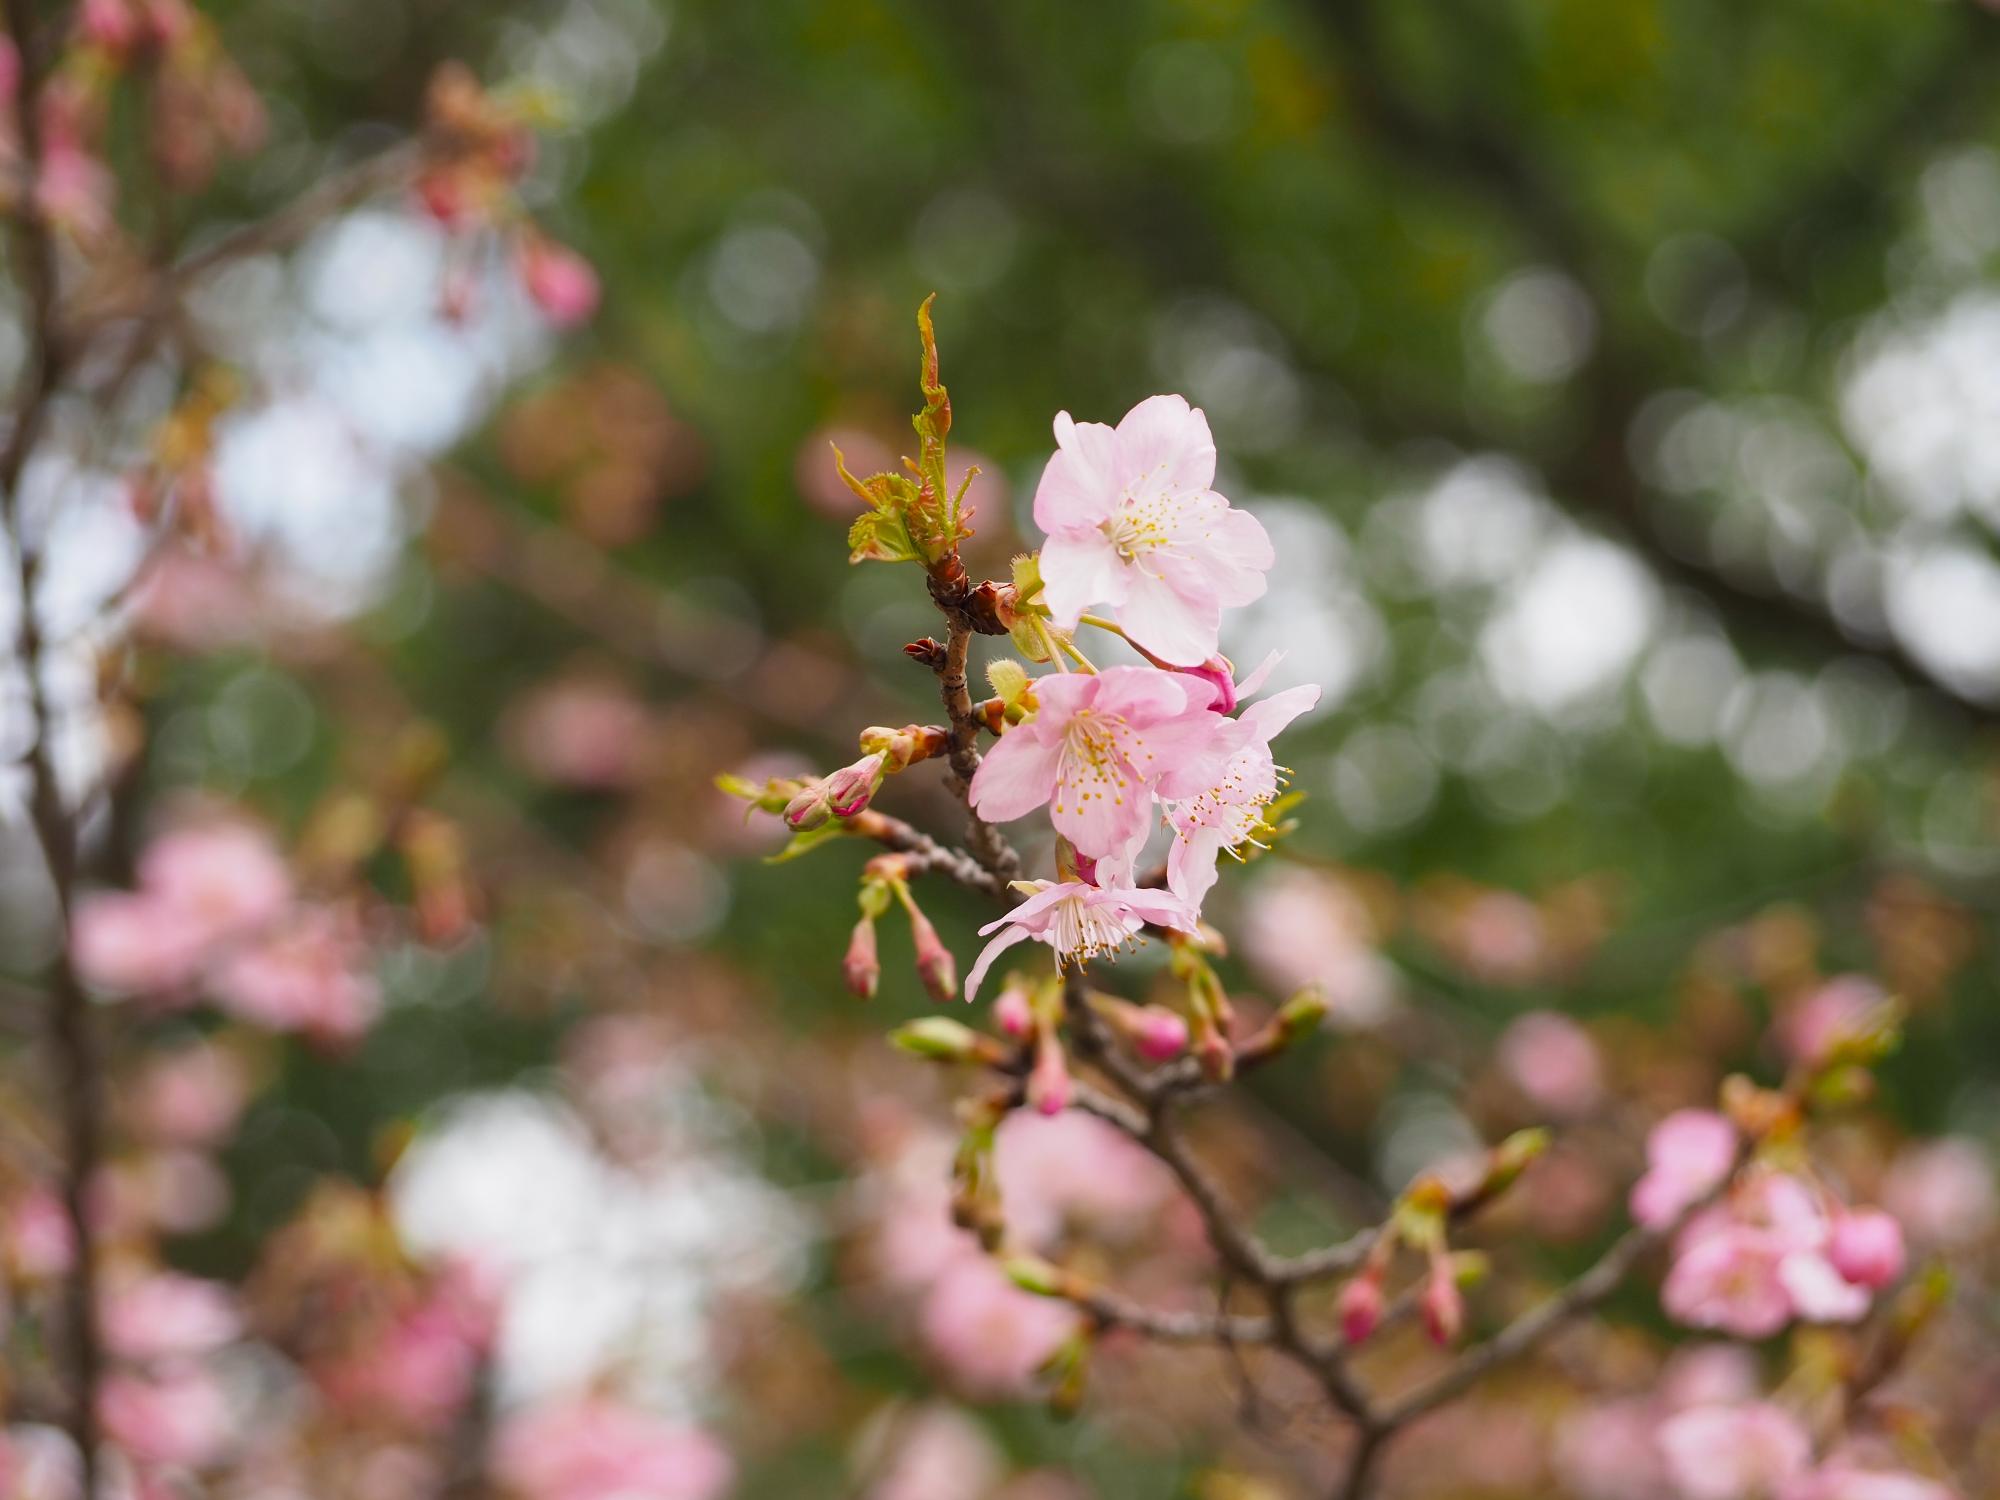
(1305, 930)
(165, 1315)
(1751, 1265)
(1608, 1452)
(561, 283)
(1840, 1479)
(584, 732)
(1688, 1154)
(1943, 1191)
(595, 1448)
(176, 1414)
(311, 976)
(1867, 1247)
(38, 1463)
(190, 1095)
(38, 1238)
(1834, 1011)
(1747, 1452)
(1554, 1062)
(989, 1335)
(937, 1453)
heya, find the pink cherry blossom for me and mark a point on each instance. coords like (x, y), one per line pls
(1058, 1173)
(173, 1415)
(1228, 812)
(595, 1448)
(1132, 523)
(37, 1240)
(989, 1335)
(38, 1463)
(1079, 921)
(1097, 748)
(164, 1315)
(1750, 1266)
(1867, 1247)
(190, 1095)
(226, 878)
(937, 1453)
(134, 944)
(1749, 1452)
(1688, 1155)
(1554, 1062)
(1609, 1452)
(310, 977)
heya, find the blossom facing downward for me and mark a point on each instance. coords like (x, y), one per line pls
(1097, 750)
(1133, 523)
(1229, 811)
(1078, 921)
(595, 1448)
(1750, 1266)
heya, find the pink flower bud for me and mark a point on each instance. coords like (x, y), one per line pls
(1867, 1247)
(1161, 1033)
(1360, 1307)
(1014, 1014)
(861, 968)
(109, 24)
(851, 788)
(935, 965)
(809, 809)
(1218, 671)
(561, 282)
(1048, 1084)
(1442, 1305)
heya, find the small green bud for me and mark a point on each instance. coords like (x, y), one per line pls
(938, 1038)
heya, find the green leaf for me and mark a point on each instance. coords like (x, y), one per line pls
(805, 843)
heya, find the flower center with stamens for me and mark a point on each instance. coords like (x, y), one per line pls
(1138, 526)
(1081, 929)
(1099, 753)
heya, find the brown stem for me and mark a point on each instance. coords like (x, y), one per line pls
(989, 845)
(69, 1013)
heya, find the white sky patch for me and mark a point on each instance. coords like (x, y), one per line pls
(1572, 626)
(1921, 400)
(1312, 609)
(608, 1267)
(1944, 600)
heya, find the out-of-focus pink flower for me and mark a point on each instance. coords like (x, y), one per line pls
(583, 732)
(1749, 1452)
(310, 977)
(595, 1448)
(134, 944)
(1867, 1247)
(1708, 1375)
(1013, 1012)
(1132, 523)
(1441, 1304)
(1943, 1191)
(39, 1241)
(1609, 1452)
(199, 888)
(1554, 1062)
(1688, 1155)
(1360, 1307)
(1750, 1266)
(989, 1334)
(1835, 1011)
(1097, 749)
(165, 1315)
(1308, 929)
(1071, 1170)
(1162, 1033)
(820, 483)
(1839, 1479)
(1501, 937)
(191, 1095)
(38, 1463)
(74, 189)
(173, 1415)
(937, 1453)
(109, 24)
(1079, 922)
(562, 283)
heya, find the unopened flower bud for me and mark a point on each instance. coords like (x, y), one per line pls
(1163, 1033)
(937, 1038)
(852, 788)
(1867, 1247)
(935, 965)
(562, 283)
(1360, 1306)
(1441, 1302)
(1048, 1082)
(809, 809)
(1511, 1158)
(1222, 674)
(1014, 1011)
(862, 969)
